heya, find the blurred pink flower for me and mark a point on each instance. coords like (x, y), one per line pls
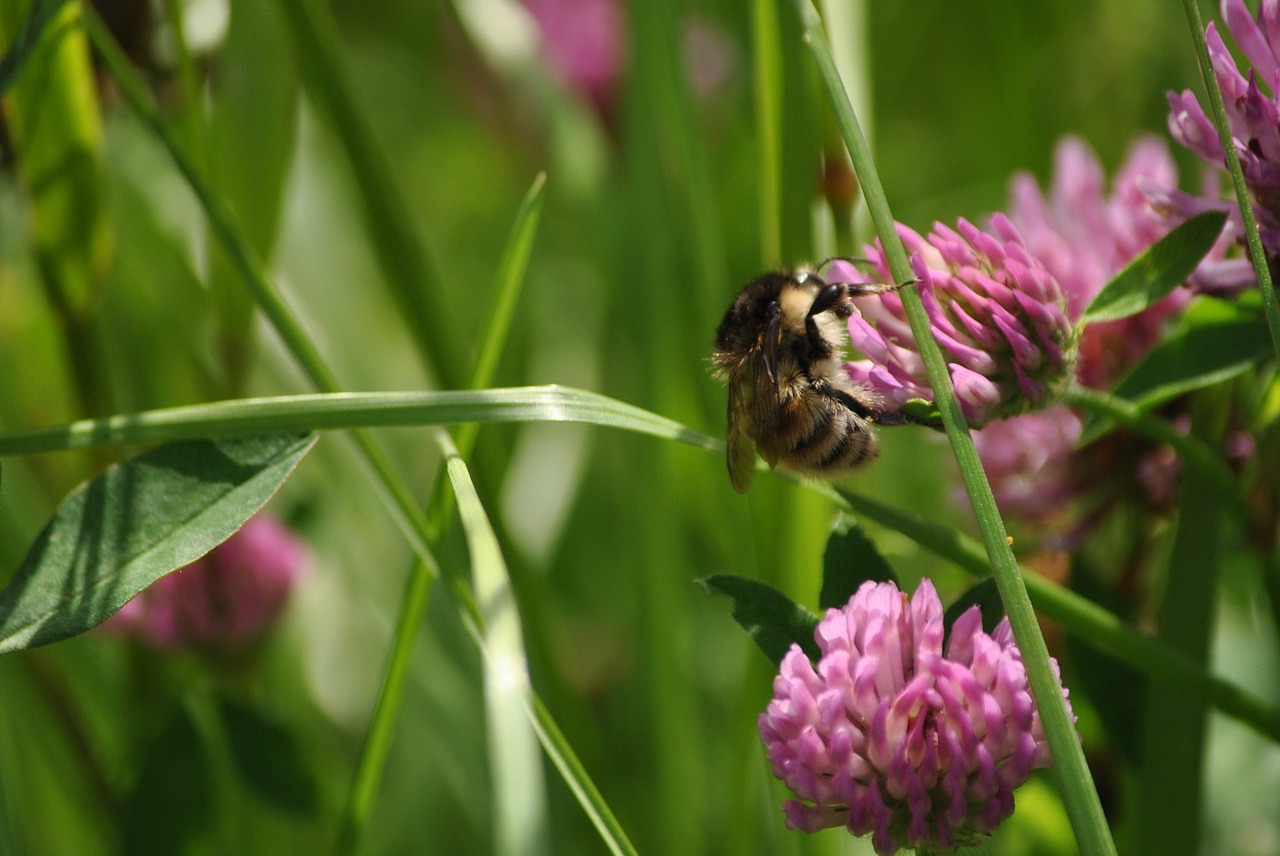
(998, 315)
(892, 737)
(228, 597)
(585, 45)
(1084, 237)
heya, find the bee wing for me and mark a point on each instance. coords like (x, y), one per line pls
(741, 452)
(766, 403)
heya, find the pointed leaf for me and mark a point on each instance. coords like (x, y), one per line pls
(849, 561)
(1164, 266)
(136, 522)
(771, 618)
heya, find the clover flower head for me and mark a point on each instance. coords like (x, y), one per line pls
(998, 315)
(1028, 460)
(1253, 117)
(227, 598)
(889, 735)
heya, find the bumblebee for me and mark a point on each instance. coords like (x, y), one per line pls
(780, 348)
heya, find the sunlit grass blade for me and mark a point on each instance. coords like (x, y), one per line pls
(575, 776)
(115, 535)
(413, 605)
(1094, 625)
(510, 282)
(402, 257)
(519, 801)
(1218, 114)
(1080, 797)
(347, 410)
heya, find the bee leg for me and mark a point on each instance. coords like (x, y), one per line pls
(824, 301)
(862, 289)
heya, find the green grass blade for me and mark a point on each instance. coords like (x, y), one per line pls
(1218, 113)
(767, 85)
(54, 128)
(1079, 794)
(20, 48)
(400, 254)
(520, 803)
(575, 776)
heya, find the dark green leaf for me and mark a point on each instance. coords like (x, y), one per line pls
(984, 594)
(269, 758)
(850, 560)
(172, 802)
(1212, 347)
(771, 618)
(1116, 690)
(139, 520)
(1164, 266)
(1197, 357)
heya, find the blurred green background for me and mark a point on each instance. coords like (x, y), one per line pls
(652, 221)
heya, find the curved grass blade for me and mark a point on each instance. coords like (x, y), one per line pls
(519, 801)
(1158, 270)
(115, 535)
(402, 257)
(348, 410)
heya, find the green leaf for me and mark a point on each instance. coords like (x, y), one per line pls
(1196, 357)
(986, 595)
(849, 561)
(136, 522)
(1164, 266)
(771, 618)
(1214, 344)
(269, 759)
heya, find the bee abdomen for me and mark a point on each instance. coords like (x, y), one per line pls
(825, 437)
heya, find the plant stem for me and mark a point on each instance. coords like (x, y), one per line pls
(1079, 795)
